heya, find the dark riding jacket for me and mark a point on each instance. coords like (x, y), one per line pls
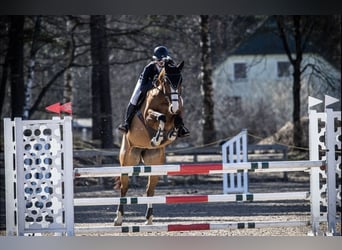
(147, 76)
(145, 82)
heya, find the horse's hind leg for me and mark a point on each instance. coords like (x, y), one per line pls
(152, 157)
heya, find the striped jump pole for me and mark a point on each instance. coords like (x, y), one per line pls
(192, 199)
(191, 227)
(200, 168)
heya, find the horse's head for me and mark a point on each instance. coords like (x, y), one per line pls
(171, 79)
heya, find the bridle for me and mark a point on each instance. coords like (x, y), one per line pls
(174, 81)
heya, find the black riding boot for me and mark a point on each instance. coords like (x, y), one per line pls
(131, 109)
(182, 130)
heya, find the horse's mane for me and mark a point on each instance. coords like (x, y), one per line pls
(161, 75)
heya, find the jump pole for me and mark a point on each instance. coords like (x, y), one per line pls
(191, 227)
(192, 199)
(183, 169)
(199, 168)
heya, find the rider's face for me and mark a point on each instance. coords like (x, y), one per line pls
(160, 63)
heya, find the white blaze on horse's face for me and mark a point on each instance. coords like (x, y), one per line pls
(174, 106)
(174, 79)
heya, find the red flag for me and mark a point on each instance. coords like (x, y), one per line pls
(67, 107)
(56, 108)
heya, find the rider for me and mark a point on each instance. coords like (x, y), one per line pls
(145, 83)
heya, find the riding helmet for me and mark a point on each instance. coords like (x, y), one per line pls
(160, 52)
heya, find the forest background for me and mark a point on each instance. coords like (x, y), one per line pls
(95, 61)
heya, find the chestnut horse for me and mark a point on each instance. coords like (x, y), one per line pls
(153, 127)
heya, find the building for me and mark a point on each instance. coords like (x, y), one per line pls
(253, 86)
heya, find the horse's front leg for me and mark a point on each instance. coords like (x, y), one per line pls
(159, 136)
(128, 157)
(151, 185)
(152, 157)
(120, 210)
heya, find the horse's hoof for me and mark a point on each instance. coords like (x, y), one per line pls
(172, 135)
(117, 222)
(118, 219)
(155, 142)
(149, 220)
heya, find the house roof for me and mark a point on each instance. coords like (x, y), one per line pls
(266, 40)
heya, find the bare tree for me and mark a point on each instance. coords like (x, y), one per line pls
(209, 133)
(30, 77)
(101, 98)
(16, 62)
(300, 29)
(4, 22)
(69, 50)
(58, 53)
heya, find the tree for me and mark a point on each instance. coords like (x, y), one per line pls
(43, 45)
(29, 82)
(209, 133)
(60, 49)
(4, 22)
(101, 98)
(68, 76)
(300, 29)
(16, 62)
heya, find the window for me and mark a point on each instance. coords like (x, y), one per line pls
(283, 69)
(240, 71)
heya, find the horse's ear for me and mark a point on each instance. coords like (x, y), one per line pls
(180, 66)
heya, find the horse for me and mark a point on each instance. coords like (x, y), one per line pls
(154, 126)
